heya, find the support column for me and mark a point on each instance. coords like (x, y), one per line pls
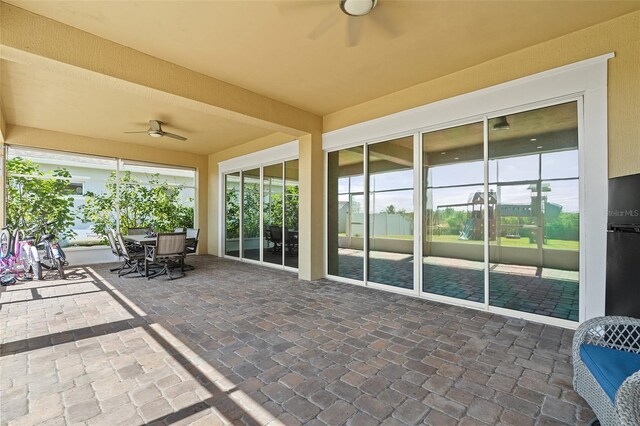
(311, 214)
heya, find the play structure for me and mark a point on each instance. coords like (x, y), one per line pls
(473, 228)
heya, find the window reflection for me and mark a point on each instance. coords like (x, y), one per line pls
(272, 205)
(290, 231)
(251, 214)
(232, 215)
(534, 170)
(453, 206)
(346, 213)
(391, 213)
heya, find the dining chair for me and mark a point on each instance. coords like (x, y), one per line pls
(191, 243)
(192, 237)
(276, 238)
(132, 259)
(139, 231)
(169, 251)
(111, 237)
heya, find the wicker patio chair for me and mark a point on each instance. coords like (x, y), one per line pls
(612, 407)
(168, 252)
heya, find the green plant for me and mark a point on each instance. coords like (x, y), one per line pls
(251, 210)
(232, 216)
(156, 204)
(43, 198)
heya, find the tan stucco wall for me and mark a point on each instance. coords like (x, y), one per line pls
(37, 138)
(621, 35)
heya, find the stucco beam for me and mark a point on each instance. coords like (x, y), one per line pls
(395, 154)
(3, 125)
(35, 40)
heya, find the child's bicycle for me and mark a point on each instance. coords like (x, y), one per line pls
(18, 257)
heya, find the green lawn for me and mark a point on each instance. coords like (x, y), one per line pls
(508, 242)
(504, 242)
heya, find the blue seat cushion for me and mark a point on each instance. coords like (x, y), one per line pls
(610, 367)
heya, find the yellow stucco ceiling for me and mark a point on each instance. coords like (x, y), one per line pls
(37, 98)
(264, 46)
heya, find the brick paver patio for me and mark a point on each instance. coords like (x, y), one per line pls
(239, 343)
(542, 291)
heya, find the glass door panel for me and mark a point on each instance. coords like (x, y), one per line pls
(251, 214)
(232, 214)
(291, 207)
(453, 212)
(346, 213)
(533, 166)
(272, 205)
(390, 256)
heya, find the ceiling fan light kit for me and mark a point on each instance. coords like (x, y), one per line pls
(155, 131)
(357, 7)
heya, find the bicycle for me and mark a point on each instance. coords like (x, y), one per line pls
(53, 253)
(26, 251)
(12, 268)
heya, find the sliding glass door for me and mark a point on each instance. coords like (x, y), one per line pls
(390, 254)
(261, 213)
(533, 168)
(453, 212)
(346, 205)
(232, 214)
(499, 219)
(291, 203)
(272, 183)
(251, 214)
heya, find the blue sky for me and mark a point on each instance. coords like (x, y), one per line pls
(554, 165)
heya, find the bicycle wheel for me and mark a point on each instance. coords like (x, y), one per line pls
(5, 243)
(18, 236)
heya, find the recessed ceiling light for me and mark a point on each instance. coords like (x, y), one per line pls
(533, 139)
(443, 153)
(457, 158)
(539, 147)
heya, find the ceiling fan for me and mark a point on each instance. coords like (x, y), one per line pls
(355, 10)
(155, 131)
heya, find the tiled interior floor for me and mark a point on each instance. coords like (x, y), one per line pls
(541, 291)
(239, 343)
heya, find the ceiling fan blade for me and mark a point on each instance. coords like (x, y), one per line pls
(382, 20)
(325, 25)
(137, 132)
(354, 28)
(174, 136)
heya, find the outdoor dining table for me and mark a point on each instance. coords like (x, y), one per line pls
(140, 239)
(145, 239)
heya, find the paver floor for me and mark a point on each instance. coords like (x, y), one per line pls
(542, 291)
(239, 343)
